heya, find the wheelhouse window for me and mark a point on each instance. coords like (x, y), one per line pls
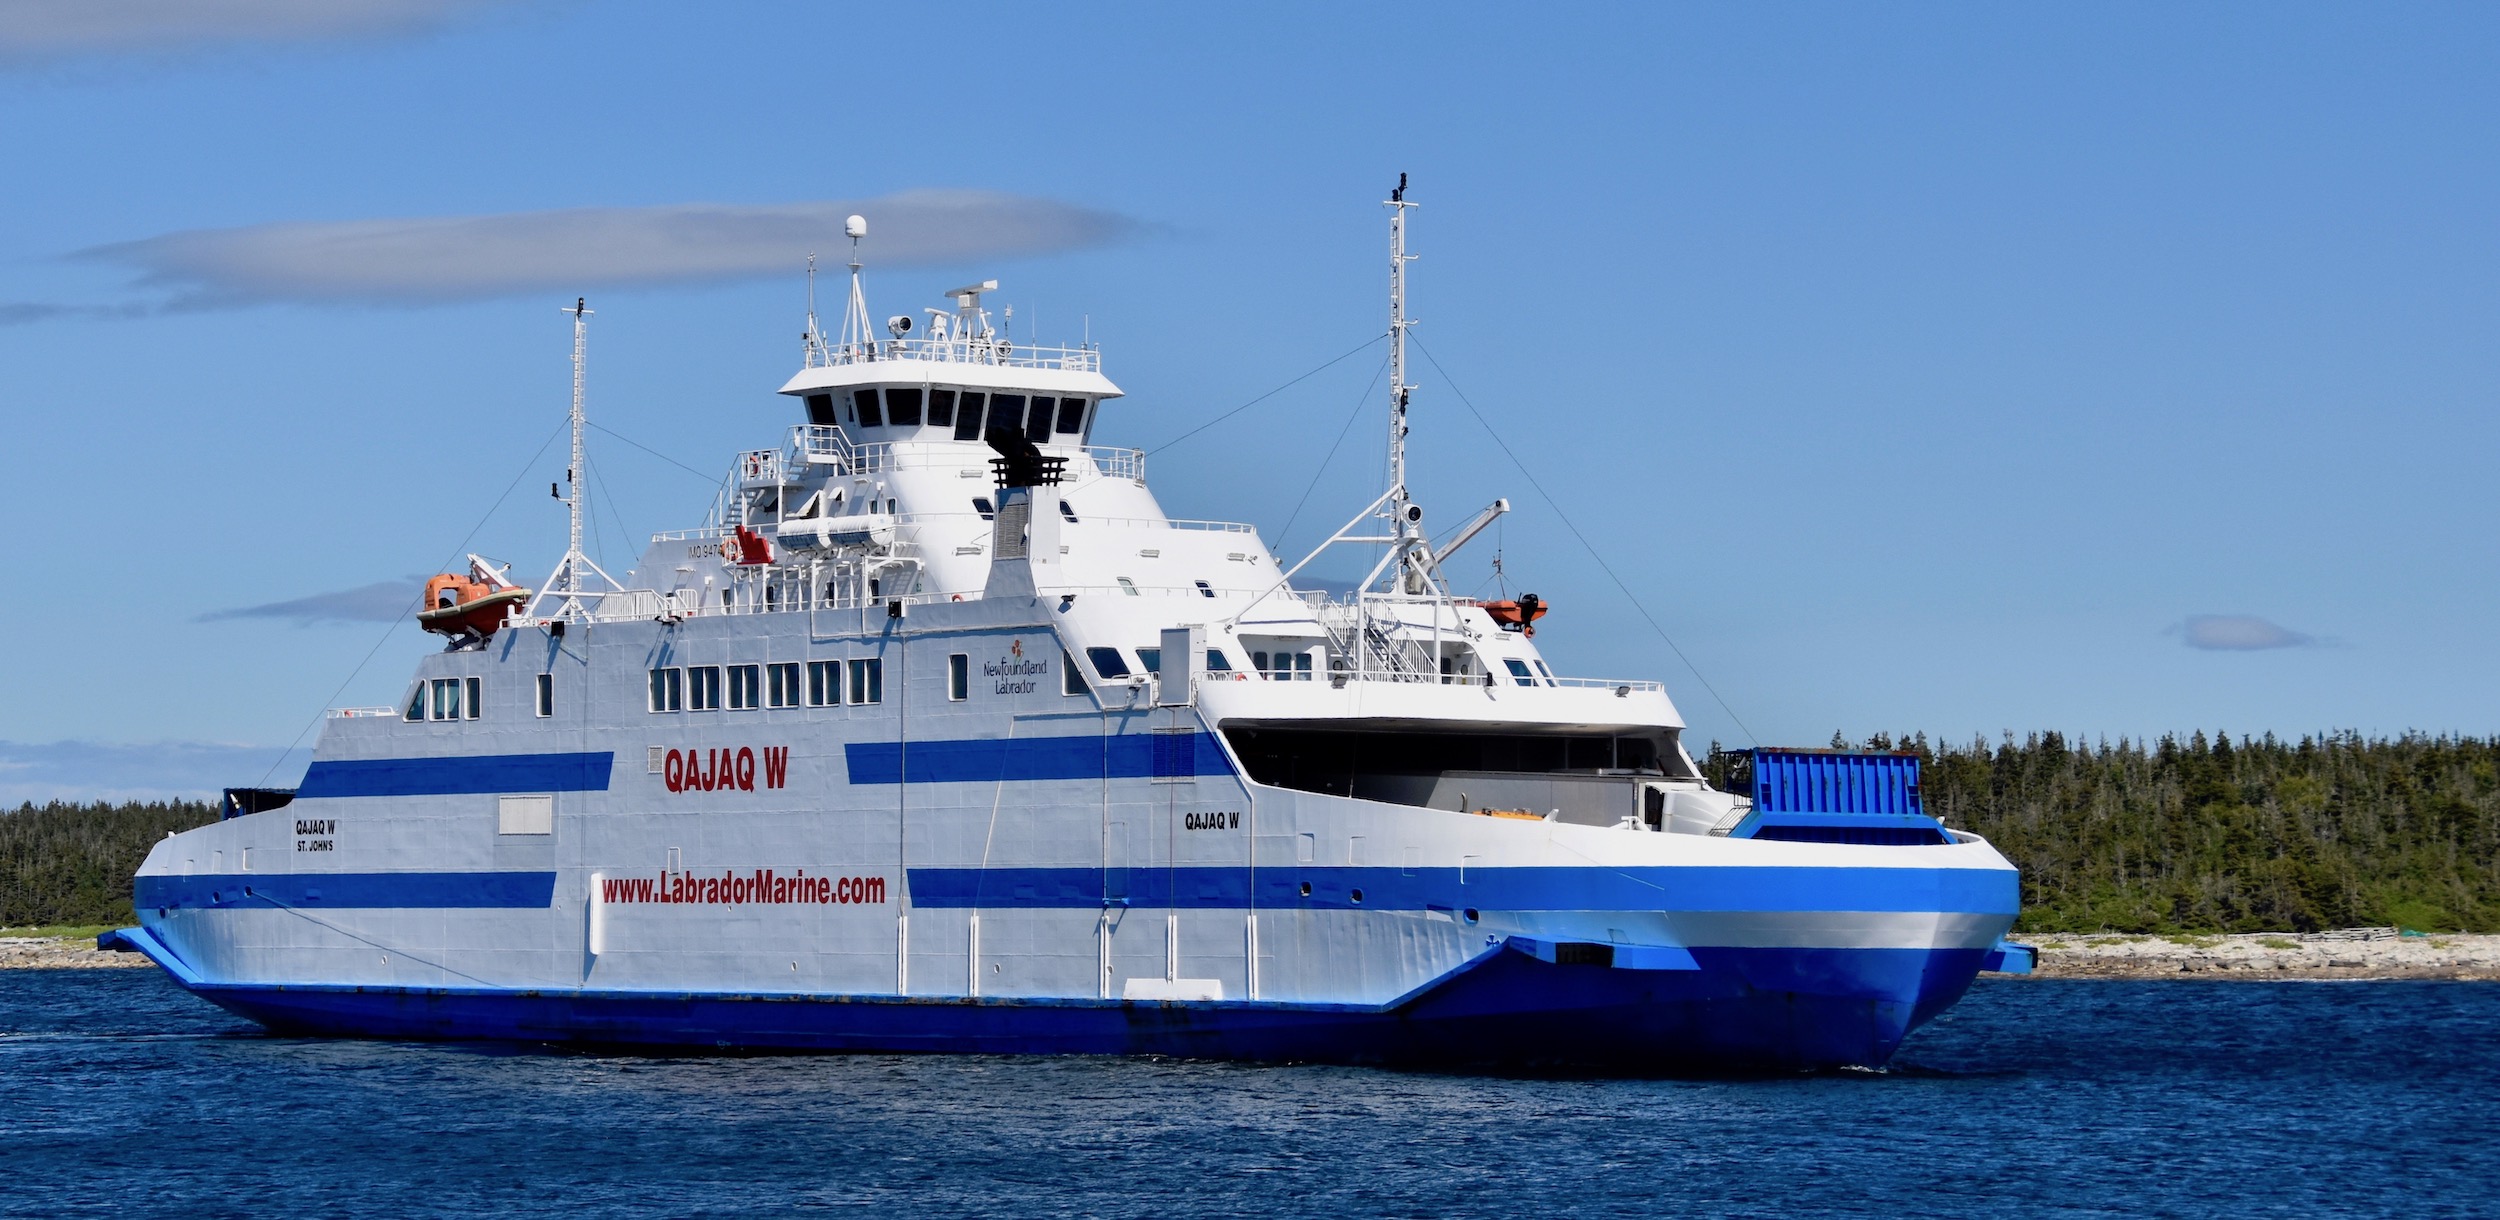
(958, 677)
(703, 688)
(868, 680)
(941, 408)
(546, 695)
(864, 403)
(745, 686)
(1216, 664)
(968, 416)
(1037, 424)
(1071, 416)
(668, 690)
(1070, 681)
(781, 684)
(824, 683)
(445, 703)
(416, 703)
(1107, 662)
(820, 409)
(1006, 411)
(902, 407)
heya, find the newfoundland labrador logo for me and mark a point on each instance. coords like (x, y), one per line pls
(1013, 673)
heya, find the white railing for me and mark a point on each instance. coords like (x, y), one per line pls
(814, 444)
(360, 713)
(994, 351)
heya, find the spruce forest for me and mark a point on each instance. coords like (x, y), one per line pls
(2202, 834)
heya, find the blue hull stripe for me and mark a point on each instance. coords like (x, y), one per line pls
(458, 775)
(986, 760)
(1737, 1011)
(534, 891)
(1959, 890)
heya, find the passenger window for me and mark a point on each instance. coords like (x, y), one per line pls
(902, 407)
(1127, 586)
(981, 505)
(703, 683)
(1258, 661)
(668, 690)
(546, 695)
(1301, 667)
(1203, 588)
(1071, 416)
(781, 684)
(1546, 673)
(1153, 659)
(1070, 681)
(824, 683)
(1037, 425)
(865, 402)
(446, 699)
(1107, 662)
(1067, 512)
(868, 681)
(416, 703)
(968, 420)
(958, 677)
(476, 705)
(745, 685)
(820, 409)
(1216, 664)
(941, 408)
(1519, 671)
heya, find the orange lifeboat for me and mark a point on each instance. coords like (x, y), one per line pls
(459, 606)
(1520, 615)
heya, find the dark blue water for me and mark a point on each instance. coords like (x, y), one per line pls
(121, 1094)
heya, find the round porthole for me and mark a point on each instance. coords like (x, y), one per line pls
(1358, 895)
(1306, 889)
(1471, 914)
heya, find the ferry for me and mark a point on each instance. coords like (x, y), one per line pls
(939, 735)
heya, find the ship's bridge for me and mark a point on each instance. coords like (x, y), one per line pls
(956, 380)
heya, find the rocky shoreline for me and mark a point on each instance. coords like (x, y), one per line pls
(62, 953)
(2265, 955)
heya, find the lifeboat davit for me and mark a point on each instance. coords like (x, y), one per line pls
(458, 605)
(1520, 615)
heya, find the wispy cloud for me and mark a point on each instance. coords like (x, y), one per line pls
(438, 259)
(43, 29)
(383, 601)
(2239, 633)
(165, 770)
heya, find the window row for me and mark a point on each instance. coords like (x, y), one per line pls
(699, 688)
(464, 698)
(971, 413)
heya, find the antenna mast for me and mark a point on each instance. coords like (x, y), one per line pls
(566, 584)
(1405, 519)
(856, 341)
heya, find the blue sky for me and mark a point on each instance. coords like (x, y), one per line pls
(1960, 368)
